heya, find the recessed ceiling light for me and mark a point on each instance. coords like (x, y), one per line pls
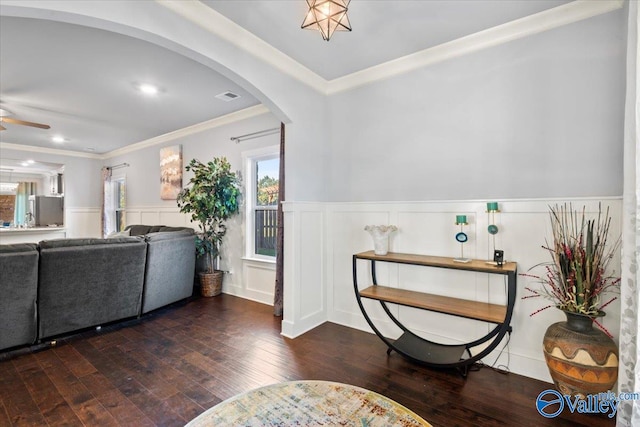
(30, 161)
(25, 164)
(58, 139)
(148, 89)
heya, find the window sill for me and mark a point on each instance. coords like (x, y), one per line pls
(260, 260)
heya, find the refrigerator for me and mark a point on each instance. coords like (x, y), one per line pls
(47, 210)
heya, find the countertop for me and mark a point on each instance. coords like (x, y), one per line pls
(30, 229)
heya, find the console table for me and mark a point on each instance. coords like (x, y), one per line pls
(421, 350)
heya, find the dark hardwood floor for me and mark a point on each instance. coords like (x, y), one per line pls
(171, 365)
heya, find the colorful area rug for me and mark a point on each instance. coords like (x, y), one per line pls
(309, 403)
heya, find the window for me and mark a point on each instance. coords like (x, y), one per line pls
(120, 199)
(266, 207)
(7, 202)
(114, 205)
(262, 172)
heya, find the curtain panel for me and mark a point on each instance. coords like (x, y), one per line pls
(629, 368)
(23, 191)
(106, 179)
(277, 296)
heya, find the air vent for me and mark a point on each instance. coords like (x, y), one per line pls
(228, 96)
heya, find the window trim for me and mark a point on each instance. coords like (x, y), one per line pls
(112, 210)
(249, 160)
(116, 207)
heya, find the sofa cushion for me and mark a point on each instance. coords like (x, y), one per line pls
(141, 230)
(176, 229)
(168, 235)
(66, 243)
(18, 247)
(88, 282)
(116, 234)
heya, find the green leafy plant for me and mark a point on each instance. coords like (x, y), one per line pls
(211, 197)
(576, 278)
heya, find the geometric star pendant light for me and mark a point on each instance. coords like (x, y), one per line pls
(327, 16)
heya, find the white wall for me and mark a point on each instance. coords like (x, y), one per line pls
(82, 197)
(540, 117)
(320, 239)
(428, 228)
(42, 185)
(536, 117)
(248, 279)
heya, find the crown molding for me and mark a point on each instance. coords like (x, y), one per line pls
(45, 150)
(533, 24)
(216, 23)
(246, 113)
(223, 27)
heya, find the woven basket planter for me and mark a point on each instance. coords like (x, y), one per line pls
(211, 283)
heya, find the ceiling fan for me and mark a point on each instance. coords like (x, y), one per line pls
(5, 119)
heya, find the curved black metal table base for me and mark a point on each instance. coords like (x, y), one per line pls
(437, 355)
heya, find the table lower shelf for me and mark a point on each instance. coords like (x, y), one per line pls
(477, 310)
(428, 352)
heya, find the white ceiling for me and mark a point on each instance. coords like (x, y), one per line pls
(81, 80)
(19, 166)
(381, 30)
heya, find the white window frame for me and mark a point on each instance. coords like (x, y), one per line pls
(249, 160)
(112, 208)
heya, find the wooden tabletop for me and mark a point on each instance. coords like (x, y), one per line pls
(443, 262)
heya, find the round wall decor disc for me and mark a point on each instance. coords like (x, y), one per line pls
(462, 237)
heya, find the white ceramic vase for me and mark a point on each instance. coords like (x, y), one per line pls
(380, 235)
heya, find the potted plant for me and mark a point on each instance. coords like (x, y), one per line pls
(582, 360)
(211, 197)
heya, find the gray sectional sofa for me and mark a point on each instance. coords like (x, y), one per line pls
(65, 285)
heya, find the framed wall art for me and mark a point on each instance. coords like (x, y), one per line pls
(170, 172)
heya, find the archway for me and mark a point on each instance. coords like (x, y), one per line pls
(302, 107)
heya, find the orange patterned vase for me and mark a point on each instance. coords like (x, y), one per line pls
(582, 360)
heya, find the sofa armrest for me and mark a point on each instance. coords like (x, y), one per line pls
(18, 294)
(171, 260)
